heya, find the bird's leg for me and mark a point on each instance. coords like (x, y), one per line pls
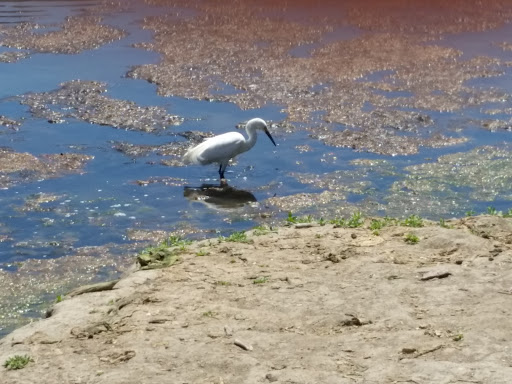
(222, 168)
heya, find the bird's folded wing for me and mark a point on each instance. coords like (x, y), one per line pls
(216, 149)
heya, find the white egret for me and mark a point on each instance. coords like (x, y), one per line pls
(220, 149)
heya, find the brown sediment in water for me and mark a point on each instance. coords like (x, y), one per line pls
(86, 100)
(12, 57)
(77, 34)
(248, 47)
(18, 168)
(33, 284)
(9, 123)
(302, 201)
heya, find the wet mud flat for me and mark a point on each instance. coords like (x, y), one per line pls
(300, 304)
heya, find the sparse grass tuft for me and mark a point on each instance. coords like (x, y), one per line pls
(375, 225)
(58, 299)
(209, 314)
(237, 237)
(294, 219)
(291, 219)
(17, 362)
(356, 220)
(411, 238)
(261, 230)
(442, 223)
(508, 213)
(470, 213)
(338, 222)
(176, 241)
(261, 280)
(164, 254)
(492, 211)
(202, 252)
(221, 282)
(458, 337)
(413, 221)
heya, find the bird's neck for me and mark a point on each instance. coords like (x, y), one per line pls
(252, 136)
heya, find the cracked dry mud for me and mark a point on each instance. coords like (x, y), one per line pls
(295, 305)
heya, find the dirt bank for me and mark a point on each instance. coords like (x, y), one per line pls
(296, 305)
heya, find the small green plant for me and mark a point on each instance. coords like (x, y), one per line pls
(307, 219)
(294, 219)
(458, 337)
(164, 254)
(413, 221)
(260, 230)
(58, 299)
(321, 222)
(390, 221)
(338, 222)
(356, 220)
(291, 219)
(202, 252)
(17, 362)
(442, 223)
(470, 213)
(508, 213)
(176, 241)
(209, 314)
(221, 282)
(411, 238)
(237, 237)
(261, 280)
(375, 224)
(492, 211)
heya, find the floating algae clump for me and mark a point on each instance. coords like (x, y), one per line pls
(482, 174)
(86, 100)
(18, 167)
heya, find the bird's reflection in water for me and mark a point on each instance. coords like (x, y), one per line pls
(219, 196)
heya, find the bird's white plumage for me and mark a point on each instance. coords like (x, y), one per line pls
(220, 149)
(216, 149)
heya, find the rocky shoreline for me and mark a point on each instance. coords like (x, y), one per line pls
(307, 303)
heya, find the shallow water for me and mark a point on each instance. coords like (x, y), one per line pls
(99, 205)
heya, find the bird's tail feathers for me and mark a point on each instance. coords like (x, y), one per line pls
(190, 158)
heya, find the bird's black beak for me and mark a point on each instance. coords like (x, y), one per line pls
(270, 137)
